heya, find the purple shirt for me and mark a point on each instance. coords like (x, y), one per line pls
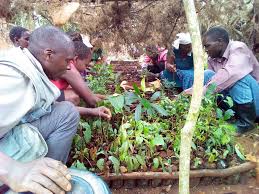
(236, 62)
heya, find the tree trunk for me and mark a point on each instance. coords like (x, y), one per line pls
(188, 129)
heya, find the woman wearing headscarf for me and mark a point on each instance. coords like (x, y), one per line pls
(179, 66)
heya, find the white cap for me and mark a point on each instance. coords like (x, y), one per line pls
(87, 43)
(182, 38)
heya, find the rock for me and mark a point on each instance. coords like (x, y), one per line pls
(116, 184)
(156, 182)
(142, 183)
(129, 184)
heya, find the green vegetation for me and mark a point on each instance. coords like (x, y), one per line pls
(144, 133)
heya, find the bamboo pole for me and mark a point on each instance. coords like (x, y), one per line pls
(175, 175)
(188, 129)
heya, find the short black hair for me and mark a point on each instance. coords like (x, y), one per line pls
(218, 32)
(48, 37)
(16, 32)
(75, 36)
(81, 50)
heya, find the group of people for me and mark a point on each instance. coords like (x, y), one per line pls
(232, 67)
(42, 86)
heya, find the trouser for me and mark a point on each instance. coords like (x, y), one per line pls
(184, 78)
(245, 90)
(58, 129)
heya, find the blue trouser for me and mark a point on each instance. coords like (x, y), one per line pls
(244, 91)
(185, 78)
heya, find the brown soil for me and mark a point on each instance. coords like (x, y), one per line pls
(248, 188)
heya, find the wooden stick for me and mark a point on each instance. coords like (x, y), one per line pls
(175, 175)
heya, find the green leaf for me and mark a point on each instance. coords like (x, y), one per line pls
(143, 85)
(100, 164)
(117, 103)
(139, 140)
(145, 103)
(79, 165)
(141, 159)
(211, 89)
(194, 147)
(158, 140)
(159, 109)
(225, 139)
(87, 135)
(129, 163)
(136, 164)
(155, 163)
(138, 112)
(219, 113)
(229, 101)
(137, 91)
(130, 98)
(116, 164)
(225, 154)
(238, 152)
(228, 114)
(155, 96)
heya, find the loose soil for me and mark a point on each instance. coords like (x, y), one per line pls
(248, 188)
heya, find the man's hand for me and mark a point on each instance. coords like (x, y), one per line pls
(102, 112)
(44, 175)
(170, 67)
(189, 91)
(100, 97)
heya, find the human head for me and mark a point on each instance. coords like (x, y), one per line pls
(152, 51)
(75, 36)
(183, 43)
(82, 57)
(19, 36)
(215, 41)
(53, 49)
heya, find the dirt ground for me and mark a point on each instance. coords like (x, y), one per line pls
(249, 188)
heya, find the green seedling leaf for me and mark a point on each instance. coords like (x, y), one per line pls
(79, 165)
(155, 163)
(100, 164)
(146, 104)
(141, 160)
(143, 85)
(136, 89)
(229, 101)
(238, 152)
(129, 163)
(117, 103)
(130, 98)
(116, 164)
(155, 96)
(225, 154)
(139, 140)
(138, 112)
(87, 135)
(159, 109)
(219, 113)
(211, 89)
(194, 147)
(136, 164)
(158, 140)
(228, 114)
(225, 139)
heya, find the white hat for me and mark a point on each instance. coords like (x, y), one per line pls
(87, 43)
(182, 38)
